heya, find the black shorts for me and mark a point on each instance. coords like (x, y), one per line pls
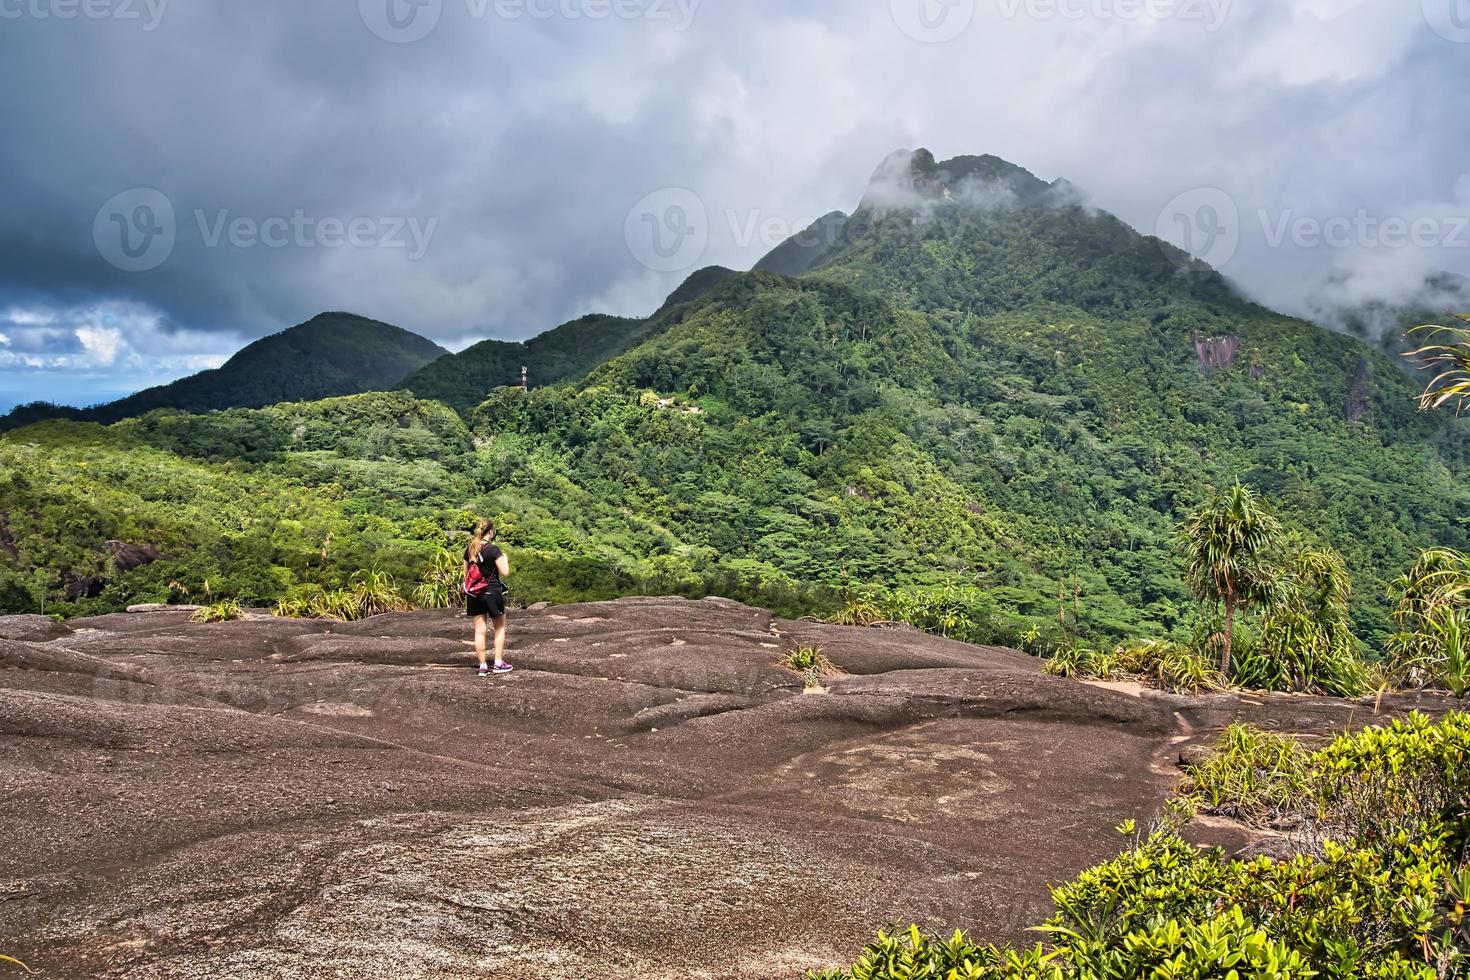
(491, 604)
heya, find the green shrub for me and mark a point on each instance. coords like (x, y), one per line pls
(914, 955)
(1306, 641)
(367, 594)
(1386, 899)
(951, 610)
(1381, 783)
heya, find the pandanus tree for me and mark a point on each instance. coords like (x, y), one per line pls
(1306, 633)
(1432, 644)
(1448, 355)
(1230, 544)
(1433, 612)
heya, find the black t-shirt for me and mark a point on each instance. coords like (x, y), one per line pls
(489, 555)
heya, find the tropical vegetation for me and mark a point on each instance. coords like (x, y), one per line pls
(1380, 888)
(1448, 360)
(985, 413)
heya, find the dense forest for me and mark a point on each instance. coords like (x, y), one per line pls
(977, 389)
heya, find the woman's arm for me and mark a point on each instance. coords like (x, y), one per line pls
(502, 564)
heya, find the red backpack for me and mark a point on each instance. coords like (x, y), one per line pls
(475, 583)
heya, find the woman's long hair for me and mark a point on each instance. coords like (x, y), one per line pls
(484, 534)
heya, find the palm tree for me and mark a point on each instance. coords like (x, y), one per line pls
(1229, 550)
(1450, 357)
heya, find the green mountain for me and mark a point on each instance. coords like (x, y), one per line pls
(466, 379)
(980, 380)
(329, 355)
(982, 405)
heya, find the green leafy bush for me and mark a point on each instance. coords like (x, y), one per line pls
(1382, 783)
(1306, 640)
(1386, 899)
(952, 610)
(442, 584)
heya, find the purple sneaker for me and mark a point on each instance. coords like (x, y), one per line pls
(503, 668)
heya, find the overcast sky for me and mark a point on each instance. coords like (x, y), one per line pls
(178, 177)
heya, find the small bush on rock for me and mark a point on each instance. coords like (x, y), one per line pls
(811, 663)
(220, 612)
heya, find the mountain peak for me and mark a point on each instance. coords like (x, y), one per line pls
(913, 179)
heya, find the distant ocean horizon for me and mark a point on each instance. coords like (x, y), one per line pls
(72, 396)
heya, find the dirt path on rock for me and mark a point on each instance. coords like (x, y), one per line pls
(646, 796)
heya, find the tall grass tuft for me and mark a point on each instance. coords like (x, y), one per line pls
(1254, 774)
(368, 594)
(226, 611)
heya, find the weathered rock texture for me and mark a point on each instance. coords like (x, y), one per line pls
(646, 796)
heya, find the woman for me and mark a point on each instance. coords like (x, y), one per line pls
(486, 569)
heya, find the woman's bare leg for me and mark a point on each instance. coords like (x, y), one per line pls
(499, 642)
(480, 622)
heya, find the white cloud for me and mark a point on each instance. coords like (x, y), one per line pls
(530, 140)
(101, 344)
(107, 335)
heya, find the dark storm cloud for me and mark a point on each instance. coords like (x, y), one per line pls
(308, 157)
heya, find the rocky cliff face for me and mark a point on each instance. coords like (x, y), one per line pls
(1356, 408)
(1216, 353)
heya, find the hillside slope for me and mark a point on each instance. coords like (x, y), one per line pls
(330, 355)
(565, 353)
